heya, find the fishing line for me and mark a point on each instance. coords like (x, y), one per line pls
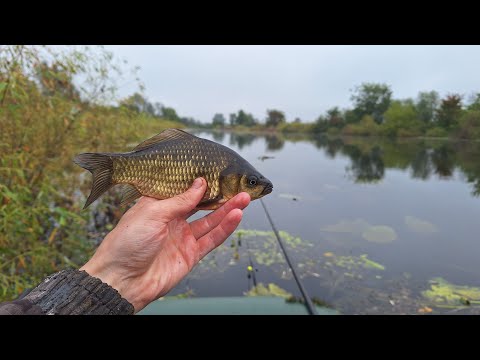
(308, 303)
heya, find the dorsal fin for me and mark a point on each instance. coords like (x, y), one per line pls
(169, 134)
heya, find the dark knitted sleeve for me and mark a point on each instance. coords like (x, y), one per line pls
(72, 292)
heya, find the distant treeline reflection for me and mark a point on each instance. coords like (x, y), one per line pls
(371, 157)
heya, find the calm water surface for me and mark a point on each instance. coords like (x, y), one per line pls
(373, 226)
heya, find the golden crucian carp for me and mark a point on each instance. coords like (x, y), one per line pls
(167, 164)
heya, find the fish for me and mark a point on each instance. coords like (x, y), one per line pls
(166, 165)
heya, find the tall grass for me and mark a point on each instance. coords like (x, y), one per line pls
(42, 226)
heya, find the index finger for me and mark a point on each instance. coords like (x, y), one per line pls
(202, 226)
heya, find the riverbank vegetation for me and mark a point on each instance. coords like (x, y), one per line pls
(375, 112)
(45, 119)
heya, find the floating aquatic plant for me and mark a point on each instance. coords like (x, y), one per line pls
(353, 262)
(269, 290)
(445, 294)
(419, 225)
(380, 234)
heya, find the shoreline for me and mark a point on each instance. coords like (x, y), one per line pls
(339, 135)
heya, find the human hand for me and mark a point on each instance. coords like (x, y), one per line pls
(153, 247)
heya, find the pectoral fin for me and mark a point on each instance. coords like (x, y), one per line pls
(129, 194)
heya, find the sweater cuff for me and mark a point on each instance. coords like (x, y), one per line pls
(75, 292)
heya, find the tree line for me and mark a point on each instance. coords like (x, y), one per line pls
(140, 104)
(374, 111)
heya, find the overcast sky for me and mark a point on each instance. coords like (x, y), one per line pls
(303, 81)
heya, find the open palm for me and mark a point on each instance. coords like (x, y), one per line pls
(153, 247)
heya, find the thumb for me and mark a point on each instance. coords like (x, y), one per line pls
(182, 204)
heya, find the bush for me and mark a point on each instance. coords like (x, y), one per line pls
(333, 131)
(436, 132)
(42, 227)
(409, 132)
(366, 127)
(401, 120)
(295, 127)
(469, 126)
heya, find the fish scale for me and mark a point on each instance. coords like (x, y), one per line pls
(167, 164)
(164, 173)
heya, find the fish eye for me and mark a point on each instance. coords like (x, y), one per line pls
(252, 180)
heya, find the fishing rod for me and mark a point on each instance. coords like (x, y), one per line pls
(308, 303)
(251, 268)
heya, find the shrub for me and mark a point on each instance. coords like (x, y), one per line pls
(436, 132)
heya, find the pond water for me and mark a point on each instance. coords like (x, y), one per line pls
(373, 226)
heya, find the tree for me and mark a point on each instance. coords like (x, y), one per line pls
(371, 99)
(158, 108)
(427, 106)
(233, 119)
(321, 124)
(56, 79)
(474, 103)
(170, 114)
(401, 115)
(275, 118)
(334, 117)
(137, 102)
(242, 118)
(297, 120)
(450, 111)
(218, 120)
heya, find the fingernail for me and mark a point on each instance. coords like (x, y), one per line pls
(197, 184)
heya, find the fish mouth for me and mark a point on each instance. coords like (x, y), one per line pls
(268, 189)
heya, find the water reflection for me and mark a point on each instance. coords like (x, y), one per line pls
(364, 249)
(218, 136)
(370, 158)
(241, 139)
(274, 143)
(366, 166)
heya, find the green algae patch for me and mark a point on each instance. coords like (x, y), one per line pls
(267, 251)
(269, 290)
(351, 263)
(448, 295)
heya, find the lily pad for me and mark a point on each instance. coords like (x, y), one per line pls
(356, 226)
(448, 295)
(380, 234)
(270, 290)
(420, 226)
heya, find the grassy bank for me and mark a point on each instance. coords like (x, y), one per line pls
(42, 226)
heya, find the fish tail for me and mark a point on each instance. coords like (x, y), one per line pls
(101, 167)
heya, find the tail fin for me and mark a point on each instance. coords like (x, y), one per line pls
(101, 167)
